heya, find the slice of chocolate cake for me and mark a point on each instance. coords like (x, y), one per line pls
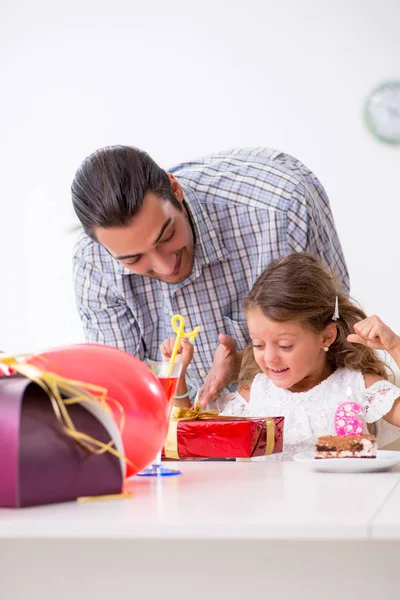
(345, 446)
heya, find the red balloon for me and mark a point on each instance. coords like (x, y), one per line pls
(127, 380)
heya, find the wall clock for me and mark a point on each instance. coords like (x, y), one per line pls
(382, 112)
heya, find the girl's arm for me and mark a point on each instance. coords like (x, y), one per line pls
(373, 333)
(185, 354)
(181, 395)
(393, 416)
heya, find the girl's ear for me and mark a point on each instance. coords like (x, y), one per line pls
(329, 335)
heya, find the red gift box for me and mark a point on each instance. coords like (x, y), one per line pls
(195, 434)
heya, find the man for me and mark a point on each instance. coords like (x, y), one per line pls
(191, 241)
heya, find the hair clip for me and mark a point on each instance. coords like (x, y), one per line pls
(336, 315)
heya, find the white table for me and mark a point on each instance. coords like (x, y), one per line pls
(220, 530)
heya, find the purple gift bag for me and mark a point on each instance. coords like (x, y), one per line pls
(39, 462)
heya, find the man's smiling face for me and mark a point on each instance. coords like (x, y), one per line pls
(158, 242)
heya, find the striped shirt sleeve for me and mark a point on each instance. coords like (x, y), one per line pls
(311, 228)
(106, 318)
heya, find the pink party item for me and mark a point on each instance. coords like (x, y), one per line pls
(346, 423)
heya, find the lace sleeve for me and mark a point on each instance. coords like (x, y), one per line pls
(379, 399)
(233, 405)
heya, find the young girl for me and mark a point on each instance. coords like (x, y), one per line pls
(310, 346)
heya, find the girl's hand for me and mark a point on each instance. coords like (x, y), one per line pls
(373, 333)
(185, 351)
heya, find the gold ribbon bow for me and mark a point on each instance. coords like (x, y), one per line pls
(193, 414)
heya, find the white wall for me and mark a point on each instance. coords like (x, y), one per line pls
(178, 79)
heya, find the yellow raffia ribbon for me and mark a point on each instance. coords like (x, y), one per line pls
(121, 496)
(178, 325)
(270, 433)
(193, 414)
(56, 387)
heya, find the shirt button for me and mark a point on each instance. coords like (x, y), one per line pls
(203, 374)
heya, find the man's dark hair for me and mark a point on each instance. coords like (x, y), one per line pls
(109, 187)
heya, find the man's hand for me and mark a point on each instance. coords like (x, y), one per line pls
(373, 333)
(223, 371)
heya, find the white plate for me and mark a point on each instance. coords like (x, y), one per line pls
(385, 459)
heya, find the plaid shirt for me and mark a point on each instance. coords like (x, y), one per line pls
(248, 206)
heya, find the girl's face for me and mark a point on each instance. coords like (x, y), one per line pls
(291, 355)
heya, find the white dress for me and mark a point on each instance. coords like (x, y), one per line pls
(311, 414)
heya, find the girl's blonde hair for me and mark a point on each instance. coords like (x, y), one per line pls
(298, 288)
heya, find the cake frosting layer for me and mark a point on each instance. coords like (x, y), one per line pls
(350, 446)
